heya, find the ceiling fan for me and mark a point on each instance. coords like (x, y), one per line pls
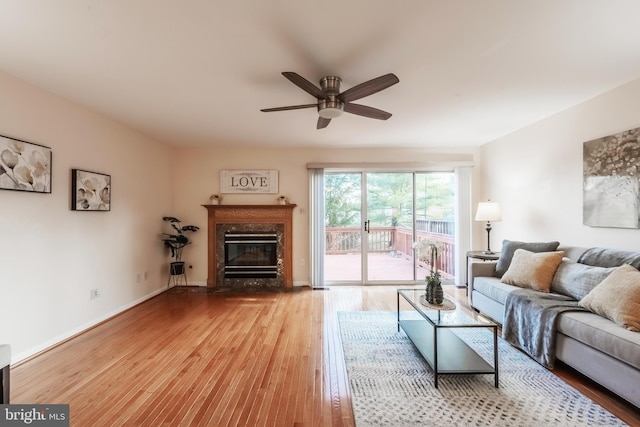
(331, 103)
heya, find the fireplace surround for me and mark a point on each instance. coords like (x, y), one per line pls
(242, 220)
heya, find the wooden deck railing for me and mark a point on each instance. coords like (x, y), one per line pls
(340, 240)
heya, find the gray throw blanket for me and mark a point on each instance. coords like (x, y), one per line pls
(530, 319)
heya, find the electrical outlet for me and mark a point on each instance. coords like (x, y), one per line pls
(95, 293)
(302, 210)
(146, 276)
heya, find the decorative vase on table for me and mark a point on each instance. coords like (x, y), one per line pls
(433, 292)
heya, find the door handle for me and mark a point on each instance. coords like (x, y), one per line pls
(366, 226)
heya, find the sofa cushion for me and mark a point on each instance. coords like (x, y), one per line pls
(533, 270)
(603, 257)
(510, 246)
(577, 280)
(602, 334)
(617, 298)
(493, 288)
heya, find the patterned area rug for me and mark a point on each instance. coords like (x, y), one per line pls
(392, 385)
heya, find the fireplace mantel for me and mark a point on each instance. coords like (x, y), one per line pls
(250, 214)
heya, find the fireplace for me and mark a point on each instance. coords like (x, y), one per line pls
(250, 246)
(250, 255)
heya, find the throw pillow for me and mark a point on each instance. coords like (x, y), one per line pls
(577, 280)
(533, 270)
(617, 298)
(509, 247)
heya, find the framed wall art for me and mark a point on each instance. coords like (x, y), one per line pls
(249, 181)
(611, 186)
(24, 166)
(90, 191)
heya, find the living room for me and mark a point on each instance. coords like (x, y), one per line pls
(53, 257)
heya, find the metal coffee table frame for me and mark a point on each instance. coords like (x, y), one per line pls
(431, 333)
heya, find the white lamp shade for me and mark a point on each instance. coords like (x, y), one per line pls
(488, 211)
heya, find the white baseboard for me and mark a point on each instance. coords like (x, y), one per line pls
(191, 283)
(80, 329)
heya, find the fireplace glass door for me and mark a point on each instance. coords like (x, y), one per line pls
(250, 255)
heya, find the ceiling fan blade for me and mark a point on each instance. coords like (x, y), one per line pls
(291, 107)
(368, 88)
(323, 123)
(305, 84)
(363, 110)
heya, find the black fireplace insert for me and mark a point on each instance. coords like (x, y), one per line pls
(250, 255)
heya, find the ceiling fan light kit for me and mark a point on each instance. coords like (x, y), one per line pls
(330, 109)
(331, 103)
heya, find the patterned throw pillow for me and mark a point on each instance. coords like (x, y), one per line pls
(533, 270)
(577, 280)
(617, 298)
(509, 247)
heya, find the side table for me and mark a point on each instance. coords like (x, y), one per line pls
(482, 255)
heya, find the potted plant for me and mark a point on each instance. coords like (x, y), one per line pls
(176, 242)
(433, 291)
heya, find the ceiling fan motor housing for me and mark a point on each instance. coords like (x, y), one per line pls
(330, 107)
(331, 85)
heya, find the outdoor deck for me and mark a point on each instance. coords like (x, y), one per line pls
(383, 266)
(390, 252)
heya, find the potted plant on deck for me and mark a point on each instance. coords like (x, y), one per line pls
(176, 242)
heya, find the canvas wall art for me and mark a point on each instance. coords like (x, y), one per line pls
(90, 191)
(24, 166)
(611, 188)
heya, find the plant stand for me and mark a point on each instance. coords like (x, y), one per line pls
(177, 273)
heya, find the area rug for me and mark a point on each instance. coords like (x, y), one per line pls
(392, 385)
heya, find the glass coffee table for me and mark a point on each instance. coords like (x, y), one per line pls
(430, 330)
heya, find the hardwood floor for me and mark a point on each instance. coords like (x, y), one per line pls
(203, 359)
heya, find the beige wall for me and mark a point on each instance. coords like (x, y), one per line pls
(536, 173)
(51, 257)
(197, 177)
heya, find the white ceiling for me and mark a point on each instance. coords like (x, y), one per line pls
(197, 72)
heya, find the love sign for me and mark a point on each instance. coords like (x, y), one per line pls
(249, 181)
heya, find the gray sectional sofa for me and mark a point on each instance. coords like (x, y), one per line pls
(597, 347)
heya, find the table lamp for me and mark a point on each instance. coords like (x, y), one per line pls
(488, 211)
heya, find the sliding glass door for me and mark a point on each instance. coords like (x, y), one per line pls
(343, 227)
(372, 220)
(389, 227)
